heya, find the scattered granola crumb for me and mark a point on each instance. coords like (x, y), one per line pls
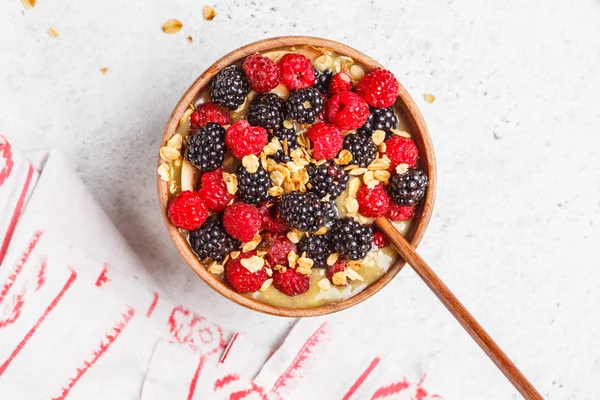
(189, 39)
(209, 13)
(29, 3)
(171, 26)
(104, 70)
(52, 31)
(429, 97)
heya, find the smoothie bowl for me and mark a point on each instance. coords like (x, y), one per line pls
(274, 165)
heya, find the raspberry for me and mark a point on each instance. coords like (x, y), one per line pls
(379, 240)
(187, 210)
(401, 150)
(261, 72)
(278, 246)
(379, 88)
(374, 202)
(396, 212)
(241, 221)
(244, 139)
(339, 266)
(327, 140)
(347, 110)
(208, 112)
(296, 71)
(214, 191)
(290, 282)
(340, 82)
(229, 87)
(240, 279)
(271, 221)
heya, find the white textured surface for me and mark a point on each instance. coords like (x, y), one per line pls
(516, 126)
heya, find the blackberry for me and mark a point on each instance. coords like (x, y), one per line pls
(266, 110)
(350, 238)
(253, 188)
(379, 119)
(362, 148)
(206, 148)
(407, 189)
(327, 179)
(229, 87)
(317, 248)
(331, 212)
(303, 211)
(211, 240)
(282, 133)
(322, 80)
(303, 105)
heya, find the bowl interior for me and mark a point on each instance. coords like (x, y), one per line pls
(419, 133)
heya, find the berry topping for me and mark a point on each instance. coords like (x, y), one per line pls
(347, 110)
(397, 212)
(187, 210)
(214, 191)
(287, 138)
(242, 221)
(296, 71)
(303, 211)
(327, 179)
(379, 240)
(339, 266)
(407, 189)
(290, 282)
(277, 246)
(340, 82)
(244, 139)
(206, 113)
(211, 240)
(316, 248)
(229, 87)
(303, 105)
(363, 149)
(262, 73)
(401, 150)
(327, 140)
(266, 110)
(374, 202)
(379, 88)
(382, 119)
(240, 278)
(271, 221)
(253, 188)
(351, 238)
(206, 148)
(322, 80)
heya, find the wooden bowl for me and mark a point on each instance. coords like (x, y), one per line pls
(418, 130)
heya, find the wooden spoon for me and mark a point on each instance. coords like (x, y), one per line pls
(470, 324)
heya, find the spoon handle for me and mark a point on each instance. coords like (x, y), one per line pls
(464, 317)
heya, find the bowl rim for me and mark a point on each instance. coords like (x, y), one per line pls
(419, 132)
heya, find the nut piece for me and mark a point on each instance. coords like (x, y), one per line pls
(169, 154)
(378, 137)
(272, 147)
(356, 72)
(401, 169)
(379, 164)
(251, 163)
(332, 259)
(251, 245)
(351, 205)
(266, 284)
(171, 26)
(276, 191)
(382, 176)
(165, 171)
(292, 258)
(231, 181)
(294, 235)
(429, 97)
(234, 254)
(215, 268)
(339, 278)
(53, 32)
(324, 284)
(305, 262)
(209, 13)
(400, 133)
(176, 140)
(344, 157)
(288, 124)
(323, 63)
(353, 186)
(185, 116)
(353, 275)
(253, 264)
